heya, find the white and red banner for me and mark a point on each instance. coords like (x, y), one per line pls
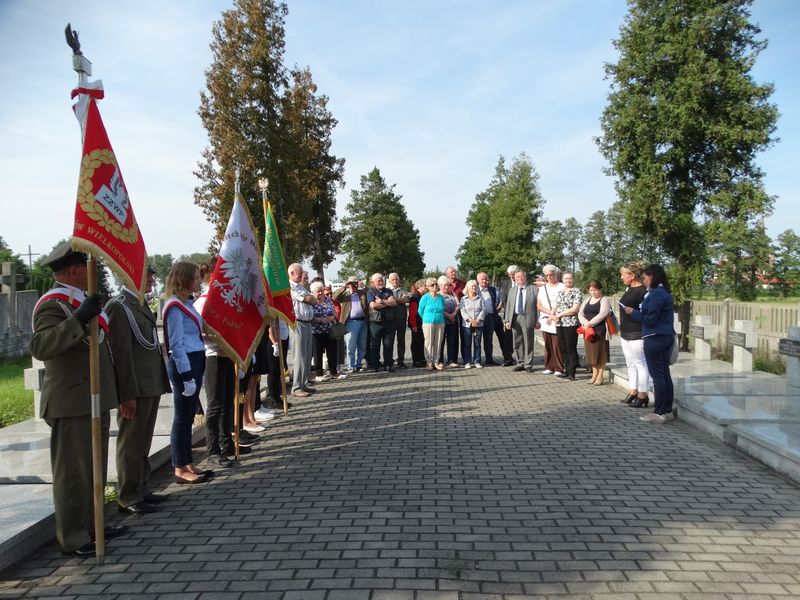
(105, 225)
(235, 305)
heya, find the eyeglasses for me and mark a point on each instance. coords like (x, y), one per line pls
(431, 285)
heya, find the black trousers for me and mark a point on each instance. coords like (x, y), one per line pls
(323, 342)
(568, 342)
(381, 334)
(220, 383)
(418, 346)
(400, 327)
(274, 376)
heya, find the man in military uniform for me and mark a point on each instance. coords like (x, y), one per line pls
(60, 339)
(141, 380)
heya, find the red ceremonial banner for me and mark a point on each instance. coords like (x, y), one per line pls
(105, 225)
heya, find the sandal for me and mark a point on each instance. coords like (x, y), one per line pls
(182, 481)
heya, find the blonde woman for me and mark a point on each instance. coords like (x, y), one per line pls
(183, 327)
(431, 312)
(630, 333)
(472, 313)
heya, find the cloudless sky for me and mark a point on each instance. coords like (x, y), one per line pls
(432, 93)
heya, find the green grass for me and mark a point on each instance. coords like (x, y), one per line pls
(16, 403)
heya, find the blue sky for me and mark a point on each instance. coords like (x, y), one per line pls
(429, 92)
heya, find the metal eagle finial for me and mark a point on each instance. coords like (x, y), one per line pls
(72, 40)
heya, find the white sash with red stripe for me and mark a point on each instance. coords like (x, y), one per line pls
(74, 297)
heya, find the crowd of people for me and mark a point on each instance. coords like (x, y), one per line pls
(360, 327)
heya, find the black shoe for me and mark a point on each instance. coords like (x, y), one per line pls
(310, 390)
(115, 531)
(140, 508)
(529, 369)
(508, 363)
(156, 498)
(84, 551)
(401, 365)
(519, 368)
(219, 461)
(242, 450)
(183, 481)
(246, 436)
(490, 363)
(628, 399)
(390, 369)
(573, 378)
(640, 402)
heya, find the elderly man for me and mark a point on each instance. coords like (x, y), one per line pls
(141, 380)
(400, 317)
(354, 312)
(381, 328)
(302, 338)
(520, 320)
(492, 319)
(60, 339)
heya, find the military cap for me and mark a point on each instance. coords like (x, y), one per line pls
(64, 256)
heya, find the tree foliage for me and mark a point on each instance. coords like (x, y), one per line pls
(504, 221)
(683, 124)
(786, 266)
(378, 235)
(271, 123)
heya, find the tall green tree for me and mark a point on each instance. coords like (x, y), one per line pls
(505, 220)
(684, 122)
(378, 235)
(786, 266)
(573, 233)
(553, 243)
(269, 122)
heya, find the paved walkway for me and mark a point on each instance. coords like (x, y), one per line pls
(454, 486)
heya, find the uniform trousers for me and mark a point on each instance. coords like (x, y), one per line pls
(133, 451)
(71, 461)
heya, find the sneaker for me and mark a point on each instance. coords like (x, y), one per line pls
(653, 418)
(439, 367)
(557, 373)
(265, 414)
(341, 376)
(322, 378)
(547, 372)
(452, 365)
(254, 428)
(478, 365)
(467, 366)
(429, 367)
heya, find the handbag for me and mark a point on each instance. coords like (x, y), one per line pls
(612, 325)
(673, 351)
(337, 330)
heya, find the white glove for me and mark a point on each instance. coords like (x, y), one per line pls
(189, 387)
(275, 350)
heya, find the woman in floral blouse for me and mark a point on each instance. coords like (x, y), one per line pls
(324, 318)
(568, 302)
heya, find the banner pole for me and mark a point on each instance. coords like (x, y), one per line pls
(84, 68)
(236, 411)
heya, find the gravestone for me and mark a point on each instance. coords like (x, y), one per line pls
(743, 338)
(790, 348)
(702, 330)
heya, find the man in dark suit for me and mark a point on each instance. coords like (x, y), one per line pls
(492, 319)
(141, 380)
(60, 339)
(520, 319)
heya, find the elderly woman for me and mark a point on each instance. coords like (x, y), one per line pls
(593, 313)
(324, 318)
(472, 313)
(414, 322)
(657, 315)
(630, 333)
(568, 303)
(431, 313)
(546, 305)
(451, 332)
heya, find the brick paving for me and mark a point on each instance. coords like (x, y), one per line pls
(461, 485)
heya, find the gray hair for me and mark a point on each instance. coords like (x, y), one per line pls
(443, 280)
(375, 276)
(316, 286)
(393, 275)
(547, 269)
(512, 269)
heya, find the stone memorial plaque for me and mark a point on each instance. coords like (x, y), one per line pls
(738, 338)
(789, 347)
(696, 331)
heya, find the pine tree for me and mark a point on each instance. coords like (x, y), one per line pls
(684, 122)
(378, 235)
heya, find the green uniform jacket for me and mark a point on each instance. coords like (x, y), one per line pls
(61, 342)
(141, 372)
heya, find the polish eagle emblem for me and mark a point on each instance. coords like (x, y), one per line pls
(241, 281)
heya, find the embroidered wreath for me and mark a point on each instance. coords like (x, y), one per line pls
(88, 202)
